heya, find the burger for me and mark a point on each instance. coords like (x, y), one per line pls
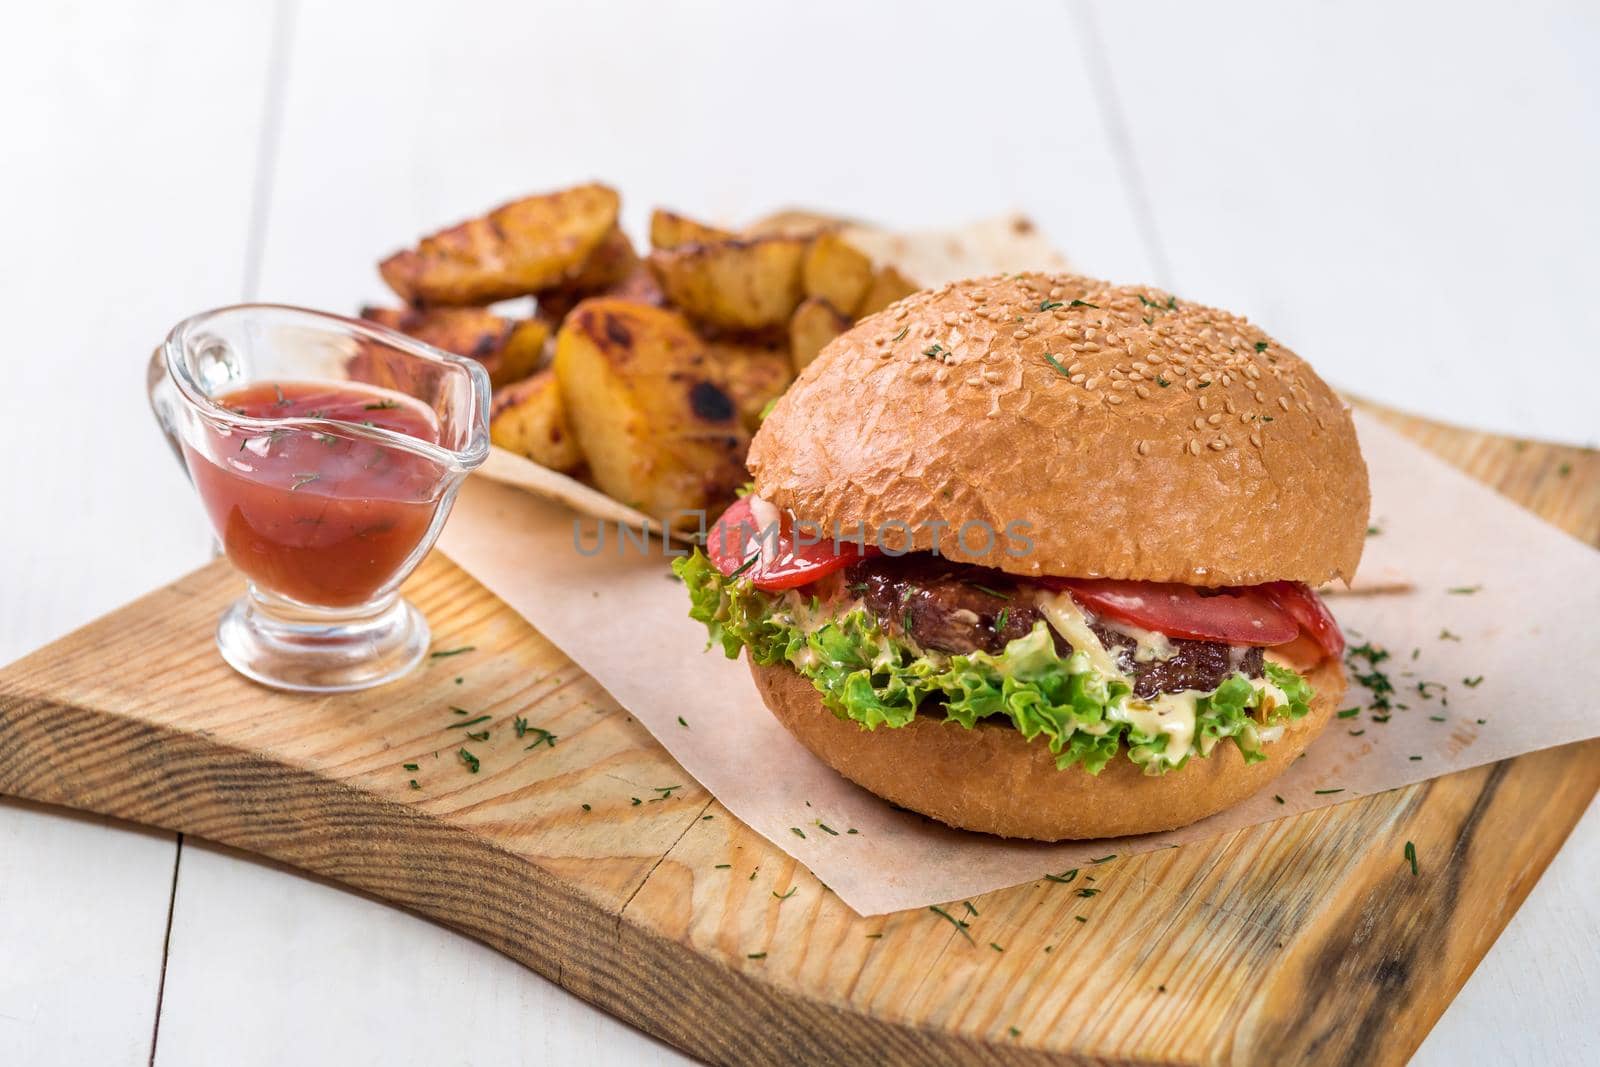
(1037, 555)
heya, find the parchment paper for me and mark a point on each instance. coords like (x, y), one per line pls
(1513, 666)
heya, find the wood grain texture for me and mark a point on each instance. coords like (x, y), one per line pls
(1304, 940)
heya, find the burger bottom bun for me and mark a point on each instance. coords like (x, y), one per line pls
(990, 779)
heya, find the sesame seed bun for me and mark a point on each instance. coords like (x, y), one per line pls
(992, 780)
(1138, 436)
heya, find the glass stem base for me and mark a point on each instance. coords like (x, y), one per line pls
(286, 645)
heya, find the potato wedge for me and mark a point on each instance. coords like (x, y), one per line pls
(524, 351)
(650, 409)
(888, 285)
(529, 419)
(509, 349)
(814, 324)
(747, 284)
(535, 243)
(612, 260)
(837, 271)
(669, 230)
(793, 222)
(754, 375)
(640, 287)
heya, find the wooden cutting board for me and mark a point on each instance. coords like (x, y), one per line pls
(599, 863)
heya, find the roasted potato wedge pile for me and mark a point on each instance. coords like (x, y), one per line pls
(647, 375)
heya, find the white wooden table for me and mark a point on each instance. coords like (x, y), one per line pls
(1405, 195)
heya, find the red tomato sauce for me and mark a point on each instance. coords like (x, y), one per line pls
(318, 517)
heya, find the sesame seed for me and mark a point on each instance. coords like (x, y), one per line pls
(1255, 438)
(1091, 384)
(1143, 448)
(1020, 335)
(1077, 379)
(1113, 398)
(1215, 418)
(1075, 367)
(1118, 384)
(1283, 402)
(1218, 445)
(1202, 402)
(1142, 392)
(1194, 446)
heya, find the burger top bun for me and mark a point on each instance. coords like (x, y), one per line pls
(1136, 435)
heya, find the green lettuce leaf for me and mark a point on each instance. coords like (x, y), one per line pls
(867, 675)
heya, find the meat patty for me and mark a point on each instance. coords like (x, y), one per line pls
(1201, 665)
(956, 607)
(952, 607)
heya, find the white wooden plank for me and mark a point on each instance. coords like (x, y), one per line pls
(130, 136)
(268, 966)
(1531, 1001)
(1402, 193)
(83, 913)
(404, 117)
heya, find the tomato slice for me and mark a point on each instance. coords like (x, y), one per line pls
(1303, 605)
(1233, 616)
(734, 544)
(725, 540)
